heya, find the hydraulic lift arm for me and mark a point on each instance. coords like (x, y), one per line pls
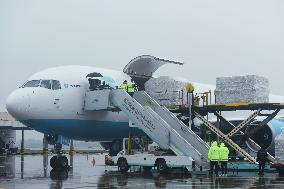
(244, 123)
(254, 144)
(225, 137)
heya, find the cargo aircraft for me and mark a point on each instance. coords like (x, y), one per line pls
(52, 102)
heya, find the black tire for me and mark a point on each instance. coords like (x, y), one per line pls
(52, 162)
(123, 165)
(62, 162)
(161, 166)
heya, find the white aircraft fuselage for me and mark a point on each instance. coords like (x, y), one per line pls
(60, 111)
(58, 108)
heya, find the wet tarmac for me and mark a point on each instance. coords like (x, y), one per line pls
(89, 172)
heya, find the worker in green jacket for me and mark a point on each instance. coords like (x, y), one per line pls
(224, 153)
(123, 85)
(131, 87)
(214, 157)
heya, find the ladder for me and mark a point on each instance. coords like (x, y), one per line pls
(225, 138)
(156, 127)
(146, 100)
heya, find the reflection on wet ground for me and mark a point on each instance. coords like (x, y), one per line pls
(89, 172)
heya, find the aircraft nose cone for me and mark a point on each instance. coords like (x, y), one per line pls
(16, 104)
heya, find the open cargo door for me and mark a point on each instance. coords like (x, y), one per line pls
(141, 68)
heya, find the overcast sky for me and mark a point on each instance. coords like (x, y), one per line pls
(213, 38)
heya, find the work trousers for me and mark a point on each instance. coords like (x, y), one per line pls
(261, 167)
(131, 93)
(214, 164)
(224, 167)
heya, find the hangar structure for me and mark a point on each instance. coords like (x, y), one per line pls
(8, 128)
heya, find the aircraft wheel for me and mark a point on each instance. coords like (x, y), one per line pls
(52, 162)
(161, 166)
(62, 162)
(123, 165)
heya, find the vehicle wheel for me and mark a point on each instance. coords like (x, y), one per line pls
(52, 162)
(123, 165)
(161, 166)
(62, 162)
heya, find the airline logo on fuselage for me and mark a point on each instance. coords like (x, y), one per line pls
(68, 85)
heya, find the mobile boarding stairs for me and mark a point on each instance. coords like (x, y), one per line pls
(162, 126)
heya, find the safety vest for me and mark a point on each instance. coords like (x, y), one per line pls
(214, 152)
(224, 152)
(123, 86)
(130, 87)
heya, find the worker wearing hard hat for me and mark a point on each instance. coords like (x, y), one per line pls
(131, 87)
(123, 85)
(214, 157)
(224, 153)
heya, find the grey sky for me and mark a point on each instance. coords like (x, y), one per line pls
(213, 38)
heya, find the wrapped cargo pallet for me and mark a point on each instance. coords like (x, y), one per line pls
(238, 89)
(166, 90)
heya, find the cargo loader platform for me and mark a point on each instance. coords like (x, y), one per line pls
(262, 119)
(204, 110)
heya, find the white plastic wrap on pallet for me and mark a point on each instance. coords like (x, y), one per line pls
(279, 147)
(166, 90)
(236, 89)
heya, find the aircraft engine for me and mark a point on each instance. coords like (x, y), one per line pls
(265, 136)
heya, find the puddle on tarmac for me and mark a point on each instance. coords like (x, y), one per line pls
(31, 172)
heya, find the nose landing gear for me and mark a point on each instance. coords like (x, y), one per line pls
(59, 162)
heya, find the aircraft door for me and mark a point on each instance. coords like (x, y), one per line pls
(141, 68)
(94, 83)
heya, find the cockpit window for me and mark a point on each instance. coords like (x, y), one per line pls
(32, 83)
(45, 84)
(48, 84)
(55, 84)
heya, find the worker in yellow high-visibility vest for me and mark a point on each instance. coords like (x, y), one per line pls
(123, 85)
(224, 153)
(131, 87)
(214, 157)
